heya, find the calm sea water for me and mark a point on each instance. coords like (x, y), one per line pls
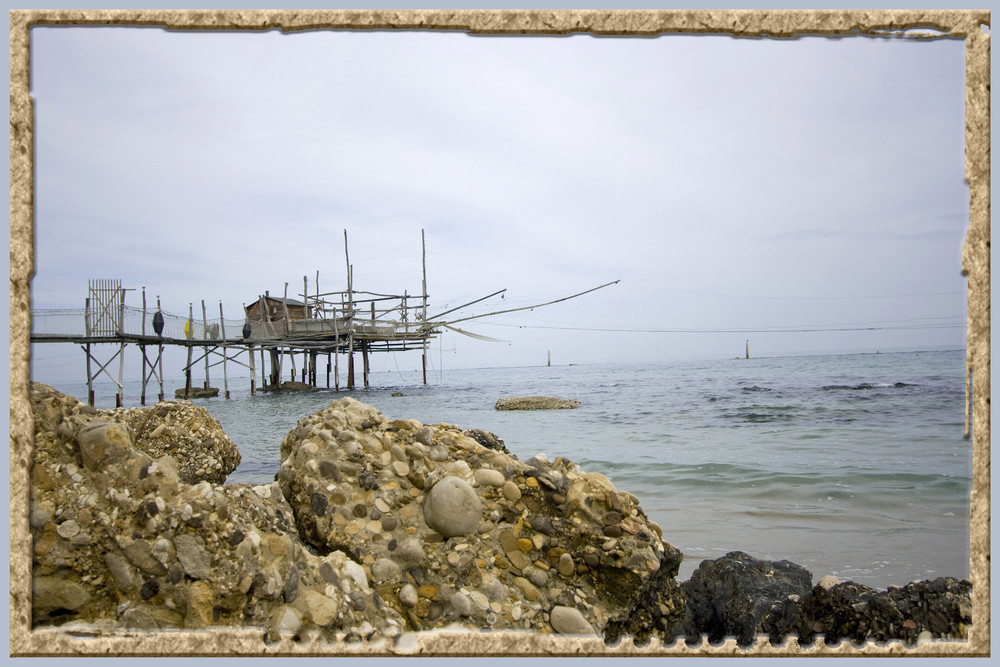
(851, 465)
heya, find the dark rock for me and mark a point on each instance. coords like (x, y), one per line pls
(486, 439)
(859, 613)
(740, 596)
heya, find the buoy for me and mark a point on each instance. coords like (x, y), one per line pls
(158, 323)
(246, 329)
(188, 329)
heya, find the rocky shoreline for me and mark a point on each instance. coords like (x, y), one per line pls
(375, 527)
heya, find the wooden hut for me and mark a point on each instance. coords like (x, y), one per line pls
(269, 309)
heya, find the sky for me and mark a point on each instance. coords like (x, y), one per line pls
(803, 195)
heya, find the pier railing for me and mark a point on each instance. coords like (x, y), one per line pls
(131, 321)
(75, 322)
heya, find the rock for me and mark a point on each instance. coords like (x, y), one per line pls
(57, 595)
(288, 385)
(102, 444)
(859, 613)
(487, 477)
(408, 595)
(536, 403)
(466, 518)
(453, 507)
(486, 439)
(197, 563)
(160, 553)
(196, 392)
(741, 596)
(569, 621)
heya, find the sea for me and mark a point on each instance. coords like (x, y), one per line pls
(851, 465)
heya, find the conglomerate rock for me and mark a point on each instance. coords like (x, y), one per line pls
(188, 433)
(453, 532)
(120, 541)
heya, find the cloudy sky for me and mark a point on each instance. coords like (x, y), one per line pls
(806, 195)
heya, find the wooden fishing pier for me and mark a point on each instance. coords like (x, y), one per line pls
(275, 330)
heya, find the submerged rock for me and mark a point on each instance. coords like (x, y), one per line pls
(536, 403)
(196, 392)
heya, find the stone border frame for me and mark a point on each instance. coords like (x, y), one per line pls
(970, 25)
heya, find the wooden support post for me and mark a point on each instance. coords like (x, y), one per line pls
(275, 369)
(90, 378)
(748, 349)
(159, 360)
(253, 371)
(121, 360)
(350, 368)
(336, 356)
(159, 356)
(187, 372)
(204, 334)
(121, 371)
(423, 318)
(142, 349)
(225, 355)
(364, 359)
(328, 369)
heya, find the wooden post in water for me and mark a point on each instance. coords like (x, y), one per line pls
(87, 328)
(90, 379)
(142, 349)
(364, 359)
(225, 355)
(550, 358)
(121, 350)
(159, 354)
(748, 349)
(423, 262)
(336, 356)
(188, 332)
(204, 334)
(253, 371)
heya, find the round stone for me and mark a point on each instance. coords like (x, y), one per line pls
(68, 529)
(384, 569)
(566, 566)
(487, 477)
(569, 621)
(461, 604)
(510, 491)
(402, 468)
(408, 595)
(453, 507)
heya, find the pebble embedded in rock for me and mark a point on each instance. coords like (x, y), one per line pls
(461, 603)
(566, 565)
(510, 491)
(408, 595)
(569, 621)
(487, 477)
(453, 508)
(68, 529)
